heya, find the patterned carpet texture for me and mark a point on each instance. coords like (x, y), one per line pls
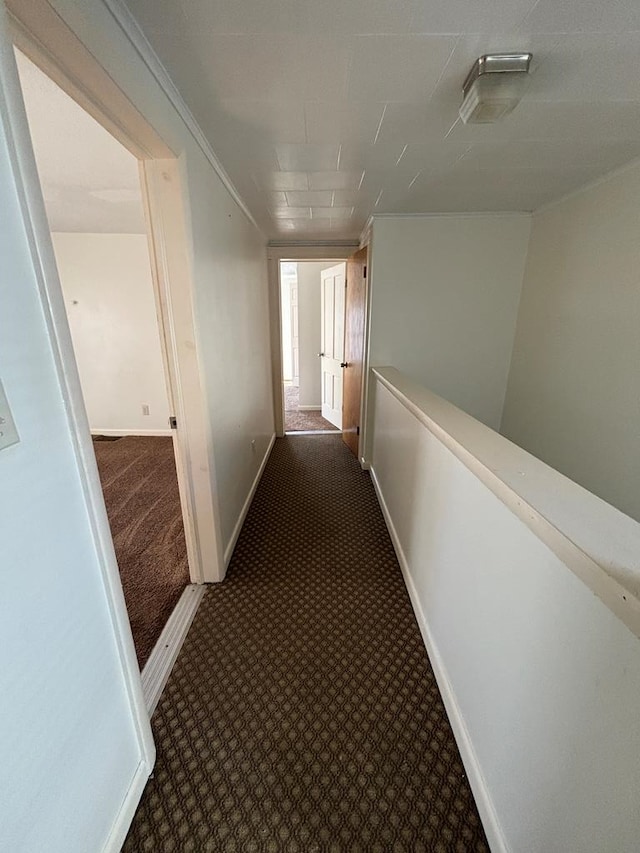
(295, 420)
(302, 714)
(140, 487)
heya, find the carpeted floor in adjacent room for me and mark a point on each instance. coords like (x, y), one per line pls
(138, 476)
(302, 713)
(300, 421)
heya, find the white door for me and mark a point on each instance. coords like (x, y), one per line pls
(295, 344)
(332, 355)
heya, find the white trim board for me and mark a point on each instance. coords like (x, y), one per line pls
(490, 822)
(161, 660)
(228, 551)
(309, 408)
(314, 432)
(123, 432)
(124, 818)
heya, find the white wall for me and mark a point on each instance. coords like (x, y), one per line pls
(232, 317)
(70, 753)
(540, 678)
(309, 322)
(108, 293)
(574, 385)
(444, 302)
(229, 271)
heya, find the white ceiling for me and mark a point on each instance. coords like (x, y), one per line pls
(90, 182)
(324, 111)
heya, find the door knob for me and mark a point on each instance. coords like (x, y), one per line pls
(344, 364)
(320, 355)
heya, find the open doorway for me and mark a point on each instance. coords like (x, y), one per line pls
(322, 307)
(94, 202)
(312, 339)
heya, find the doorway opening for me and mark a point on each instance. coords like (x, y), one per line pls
(322, 306)
(96, 212)
(305, 326)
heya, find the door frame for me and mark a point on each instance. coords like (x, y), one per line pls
(29, 193)
(329, 253)
(37, 30)
(48, 42)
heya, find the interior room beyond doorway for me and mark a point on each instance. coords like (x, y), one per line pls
(304, 317)
(302, 324)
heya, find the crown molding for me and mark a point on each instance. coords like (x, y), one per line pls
(147, 54)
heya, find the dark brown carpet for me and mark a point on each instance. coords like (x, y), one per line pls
(138, 475)
(302, 713)
(297, 421)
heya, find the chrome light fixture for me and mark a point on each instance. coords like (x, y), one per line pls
(494, 86)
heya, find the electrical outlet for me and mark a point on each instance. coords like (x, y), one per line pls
(145, 409)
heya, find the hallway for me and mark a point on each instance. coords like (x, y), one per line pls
(302, 713)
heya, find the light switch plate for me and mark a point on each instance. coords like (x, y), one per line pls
(8, 432)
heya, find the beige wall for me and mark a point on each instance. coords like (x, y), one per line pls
(574, 385)
(108, 293)
(445, 293)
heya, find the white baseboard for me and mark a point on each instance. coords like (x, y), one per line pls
(124, 818)
(161, 660)
(123, 432)
(490, 821)
(309, 408)
(228, 551)
(314, 432)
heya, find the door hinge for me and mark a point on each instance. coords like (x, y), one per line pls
(357, 430)
(365, 271)
(173, 422)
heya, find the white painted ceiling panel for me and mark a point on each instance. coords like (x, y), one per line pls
(284, 181)
(338, 180)
(397, 68)
(320, 198)
(470, 16)
(292, 212)
(323, 113)
(342, 121)
(309, 158)
(281, 67)
(584, 16)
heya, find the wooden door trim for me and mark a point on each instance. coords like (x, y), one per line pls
(354, 349)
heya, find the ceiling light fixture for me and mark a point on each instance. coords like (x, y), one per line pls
(494, 86)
